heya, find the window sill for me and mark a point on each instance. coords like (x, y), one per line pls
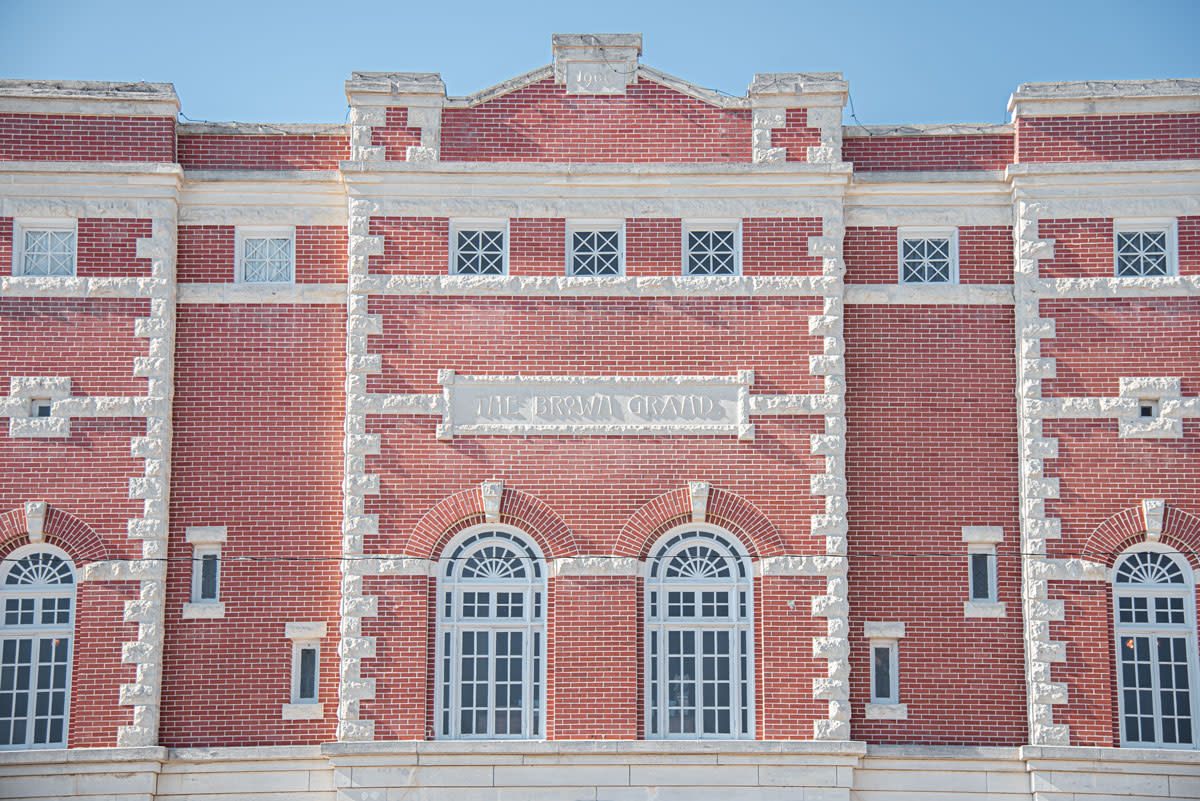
(303, 711)
(209, 610)
(886, 712)
(983, 609)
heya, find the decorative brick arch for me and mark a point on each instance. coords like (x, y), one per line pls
(1127, 527)
(61, 529)
(725, 509)
(518, 509)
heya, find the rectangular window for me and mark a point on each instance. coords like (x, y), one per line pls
(928, 256)
(884, 683)
(1144, 248)
(44, 248)
(265, 256)
(595, 249)
(39, 407)
(478, 249)
(711, 249)
(206, 574)
(304, 672)
(983, 575)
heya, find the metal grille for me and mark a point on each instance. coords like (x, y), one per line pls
(49, 253)
(595, 253)
(1141, 253)
(925, 261)
(267, 260)
(479, 253)
(711, 253)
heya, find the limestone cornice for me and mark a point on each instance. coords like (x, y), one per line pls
(1067, 98)
(588, 286)
(110, 98)
(261, 129)
(929, 198)
(935, 129)
(240, 197)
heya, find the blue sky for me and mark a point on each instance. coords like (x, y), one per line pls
(906, 60)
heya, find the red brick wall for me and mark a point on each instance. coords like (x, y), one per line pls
(1189, 245)
(284, 152)
(107, 248)
(779, 246)
(207, 254)
(1083, 248)
(537, 246)
(411, 245)
(784, 630)
(1099, 340)
(45, 137)
(396, 135)
(403, 665)
(653, 246)
(795, 135)
(97, 671)
(902, 153)
(46, 336)
(932, 447)
(649, 123)
(258, 448)
(984, 255)
(1108, 138)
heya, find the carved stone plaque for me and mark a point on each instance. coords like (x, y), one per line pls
(625, 405)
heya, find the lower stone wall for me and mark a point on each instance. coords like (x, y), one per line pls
(601, 771)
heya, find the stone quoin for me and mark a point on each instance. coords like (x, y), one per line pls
(600, 436)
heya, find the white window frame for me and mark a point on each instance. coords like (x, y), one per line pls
(304, 634)
(910, 234)
(740, 627)
(205, 541)
(298, 649)
(700, 225)
(893, 666)
(457, 226)
(1187, 630)
(23, 225)
(1168, 225)
(39, 630)
(581, 226)
(448, 662)
(245, 232)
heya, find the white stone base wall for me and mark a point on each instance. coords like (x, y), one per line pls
(602, 771)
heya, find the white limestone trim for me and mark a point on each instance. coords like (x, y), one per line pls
(35, 520)
(1147, 287)
(886, 712)
(596, 566)
(931, 129)
(228, 293)
(983, 609)
(990, 535)
(205, 535)
(261, 129)
(263, 197)
(1153, 510)
(887, 208)
(204, 610)
(109, 98)
(153, 488)
(305, 630)
(502, 88)
(878, 630)
(930, 294)
(596, 64)
(18, 407)
(1069, 570)
(604, 286)
(28, 286)
(698, 497)
(303, 711)
(1064, 98)
(821, 565)
(1162, 394)
(491, 492)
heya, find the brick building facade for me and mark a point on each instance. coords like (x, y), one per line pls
(600, 436)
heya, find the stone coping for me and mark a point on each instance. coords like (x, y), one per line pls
(834, 748)
(261, 129)
(54, 756)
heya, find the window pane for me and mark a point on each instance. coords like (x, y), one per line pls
(208, 576)
(479, 253)
(981, 589)
(882, 663)
(595, 253)
(308, 674)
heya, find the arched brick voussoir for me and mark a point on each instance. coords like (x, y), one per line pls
(465, 509)
(725, 509)
(61, 529)
(1181, 531)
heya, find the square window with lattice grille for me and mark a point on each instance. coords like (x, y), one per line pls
(928, 257)
(710, 250)
(595, 250)
(44, 248)
(266, 256)
(478, 249)
(1144, 248)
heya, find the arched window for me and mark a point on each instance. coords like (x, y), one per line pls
(38, 595)
(491, 636)
(699, 650)
(1154, 604)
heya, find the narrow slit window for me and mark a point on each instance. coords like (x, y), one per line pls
(206, 574)
(983, 576)
(883, 673)
(306, 691)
